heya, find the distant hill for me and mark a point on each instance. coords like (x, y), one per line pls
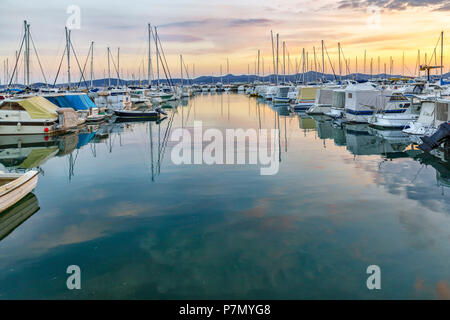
(230, 78)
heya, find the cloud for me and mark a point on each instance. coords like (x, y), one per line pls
(444, 7)
(180, 38)
(249, 22)
(393, 4)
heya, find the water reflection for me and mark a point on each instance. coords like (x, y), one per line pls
(17, 214)
(141, 227)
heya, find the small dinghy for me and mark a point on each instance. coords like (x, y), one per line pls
(138, 114)
(15, 186)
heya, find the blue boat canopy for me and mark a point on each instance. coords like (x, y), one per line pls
(78, 102)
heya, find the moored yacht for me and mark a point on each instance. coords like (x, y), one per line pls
(281, 95)
(305, 98)
(337, 109)
(362, 101)
(33, 115)
(323, 102)
(397, 113)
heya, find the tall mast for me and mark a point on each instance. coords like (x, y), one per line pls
(27, 41)
(276, 79)
(118, 70)
(284, 62)
(403, 64)
(323, 63)
(273, 53)
(228, 71)
(181, 68)
(149, 71)
(442, 52)
(315, 62)
(303, 65)
(17, 73)
(258, 61)
(371, 67)
(92, 63)
(340, 70)
(379, 61)
(109, 69)
(418, 62)
(68, 58)
(157, 53)
(364, 62)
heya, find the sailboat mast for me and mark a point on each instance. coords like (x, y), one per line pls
(364, 62)
(92, 63)
(228, 71)
(442, 52)
(181, 68)
(149, 71)
(303, 65)
(276, 79)
(340, 69)
(284, 62)
(68, 58)
(157, 53)
(258, 61)
(118, 70)
(315, 62)
(273, 52)
(109, 69)
(323, 63)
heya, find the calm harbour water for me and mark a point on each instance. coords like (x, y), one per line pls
(140, 227)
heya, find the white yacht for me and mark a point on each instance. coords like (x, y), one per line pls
(337, 109)
(323, 102)
(398, 112)
(33, 115)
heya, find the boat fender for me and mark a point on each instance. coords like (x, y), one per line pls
(19, 126)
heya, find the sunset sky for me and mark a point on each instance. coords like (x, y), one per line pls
(209, 32)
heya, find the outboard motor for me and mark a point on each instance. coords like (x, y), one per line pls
(432, 142)
(159, 110)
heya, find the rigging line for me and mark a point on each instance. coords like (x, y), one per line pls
(434, 51)
(155, 38)
(346, 65)
(187, 73)
(85, 63)
(60, 64)
(79, 67)
(329, 60)
(17, 60)
(39, 61)
(164, 56)
(114, 65)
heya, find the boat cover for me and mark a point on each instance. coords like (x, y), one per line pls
(324, 96)
(39, 108)
(307, 93)
(78, 102)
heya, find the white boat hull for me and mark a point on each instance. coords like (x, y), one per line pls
(335, 112)
(19, 187)
(392, 120)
